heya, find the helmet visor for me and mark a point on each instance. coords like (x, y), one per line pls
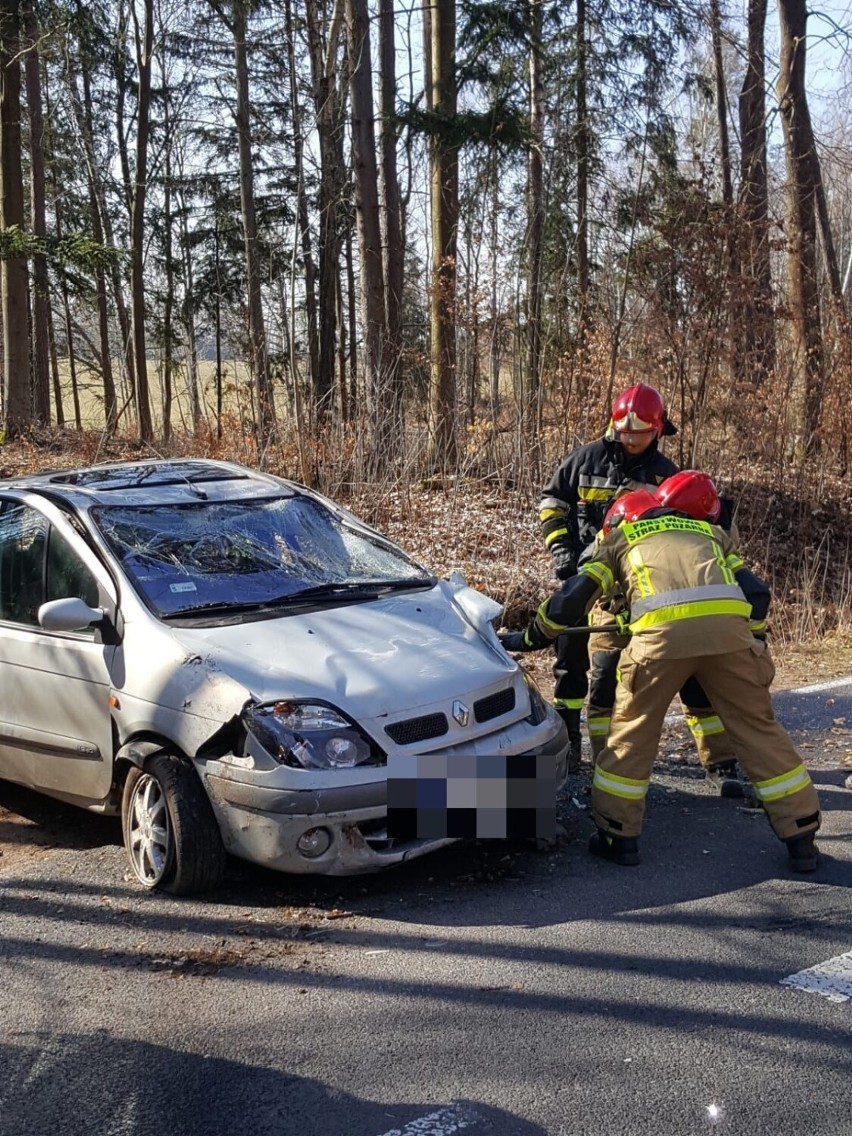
(636, 440)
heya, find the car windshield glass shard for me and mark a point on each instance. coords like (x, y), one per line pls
(207, 555)
(120, 477)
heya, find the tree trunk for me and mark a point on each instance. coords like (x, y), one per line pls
(257, 327)
(721, 102)
(51, 330)
(731, 252)
(802, 180)
(38, 221)
(328, 110)
(321, 402)
(69, 329)
(757, 321)
(217, 328)
(531, 397)
(168, 229)
(352, 325)
(192, 377)
(144, 47)
(583, 147)
(494, 352)
(102, 233)
(392, 212)
(444, 206)
(16, 341)
(367, 222)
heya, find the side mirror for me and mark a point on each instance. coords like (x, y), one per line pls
(71, 614)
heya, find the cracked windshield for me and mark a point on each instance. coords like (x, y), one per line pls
(189, 558)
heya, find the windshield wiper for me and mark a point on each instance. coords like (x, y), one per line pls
(348, 592)
(214, 609)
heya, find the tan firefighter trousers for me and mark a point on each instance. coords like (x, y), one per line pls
(737, 683)
(712, 743)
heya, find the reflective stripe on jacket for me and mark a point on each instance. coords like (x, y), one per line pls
(576, 498)
(682, 579)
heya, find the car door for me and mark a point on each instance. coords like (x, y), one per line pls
(55, 722)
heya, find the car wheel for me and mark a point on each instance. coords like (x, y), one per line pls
(170, 832)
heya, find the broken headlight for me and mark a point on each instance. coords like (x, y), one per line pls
(538, 707)
(310, 735)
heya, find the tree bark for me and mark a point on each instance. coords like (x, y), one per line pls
(68, 325)
(367, 222)
(192, 377)
(168, 255)
(803, 178)
(321, 401)
(102, 233)
(757, 358)
(16, 341)
(392, 213)
(583, 147)
(38, 221)
(531, 396)
(494, 353)
(328, 110)
(444, 206)
(144, 38)
(257, 327)
(732, 270)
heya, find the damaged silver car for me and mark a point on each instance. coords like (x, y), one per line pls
(228, 660)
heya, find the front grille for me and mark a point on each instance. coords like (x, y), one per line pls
(418, 729)
(494, 705)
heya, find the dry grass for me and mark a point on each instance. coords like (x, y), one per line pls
(483, 523)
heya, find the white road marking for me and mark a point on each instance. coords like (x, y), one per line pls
(816, 687)
(441, 1123)
(831, 979)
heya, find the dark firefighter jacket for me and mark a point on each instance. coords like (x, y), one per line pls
(688, 590)
(578, 495)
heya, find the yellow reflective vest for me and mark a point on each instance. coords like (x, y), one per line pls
(684, 582)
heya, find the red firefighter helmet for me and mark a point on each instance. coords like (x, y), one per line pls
(691, 492)
(638, 409)
(629, 507)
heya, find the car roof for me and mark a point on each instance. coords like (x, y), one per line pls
(159, 480)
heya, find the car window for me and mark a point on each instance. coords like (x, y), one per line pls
(67, 575)
(23, 543)
(37, 564)
(188, 555)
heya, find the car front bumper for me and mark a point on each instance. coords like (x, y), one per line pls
(264, 823)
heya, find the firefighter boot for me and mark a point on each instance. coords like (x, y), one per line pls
(725, 778)
(802, 852)
(571, 718)
(623, 850)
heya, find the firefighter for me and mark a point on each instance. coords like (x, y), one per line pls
(695, 611)
(571, 514)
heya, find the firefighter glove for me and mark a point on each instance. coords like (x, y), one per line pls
(564, 563)
(622, 618)
(515, 641)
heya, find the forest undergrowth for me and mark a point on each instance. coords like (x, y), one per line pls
(483, 523)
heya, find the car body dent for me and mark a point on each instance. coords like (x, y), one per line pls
(396, 654)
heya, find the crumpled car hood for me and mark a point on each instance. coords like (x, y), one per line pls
(382, 656)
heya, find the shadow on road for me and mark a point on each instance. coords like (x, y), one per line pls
(694, 845)
(100, 1083)
(29, 819)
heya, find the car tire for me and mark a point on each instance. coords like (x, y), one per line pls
(170, 833)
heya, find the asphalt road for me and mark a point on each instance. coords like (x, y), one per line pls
(491, 988)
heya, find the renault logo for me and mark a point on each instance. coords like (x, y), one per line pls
(461, 713)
